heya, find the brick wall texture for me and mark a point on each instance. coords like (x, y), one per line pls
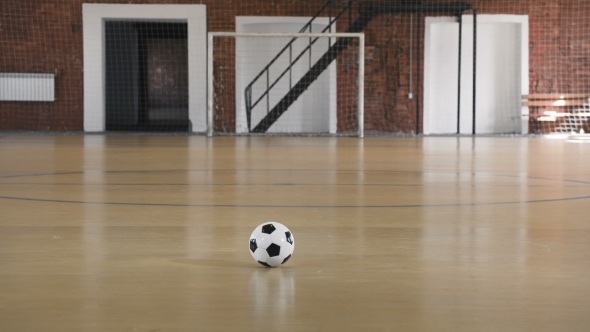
(38, 36)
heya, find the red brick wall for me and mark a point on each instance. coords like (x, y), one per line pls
(224, 95)
(387, 74)
(44, 36)
(41, 37)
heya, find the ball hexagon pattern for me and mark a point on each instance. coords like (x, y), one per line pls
(271, 244)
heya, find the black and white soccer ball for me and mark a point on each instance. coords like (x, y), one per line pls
(272, 244)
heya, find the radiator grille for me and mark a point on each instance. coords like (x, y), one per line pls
(27, 87)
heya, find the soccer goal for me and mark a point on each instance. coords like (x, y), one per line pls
(285, 84)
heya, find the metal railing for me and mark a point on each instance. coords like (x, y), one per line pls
(266, 71)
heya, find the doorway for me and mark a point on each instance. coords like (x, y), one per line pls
(501, 72)
(95, 17)
(146, 76)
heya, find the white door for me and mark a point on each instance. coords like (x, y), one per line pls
(315, 110)
(501, 76)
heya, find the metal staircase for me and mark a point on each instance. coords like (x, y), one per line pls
(367, 11)
(315, 70)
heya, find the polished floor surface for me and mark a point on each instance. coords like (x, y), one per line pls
(150, 233)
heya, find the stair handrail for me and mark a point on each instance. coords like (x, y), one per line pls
(248, 89)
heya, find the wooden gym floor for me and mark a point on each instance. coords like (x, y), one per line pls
(150, 233)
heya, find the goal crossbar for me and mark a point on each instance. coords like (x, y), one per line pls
(361, 66)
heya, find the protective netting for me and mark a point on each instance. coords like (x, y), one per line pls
(532, 63)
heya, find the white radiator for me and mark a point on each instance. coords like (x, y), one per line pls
(27, 87)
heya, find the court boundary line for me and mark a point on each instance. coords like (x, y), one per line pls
(298, 206)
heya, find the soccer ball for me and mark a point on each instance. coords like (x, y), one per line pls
(271, 244)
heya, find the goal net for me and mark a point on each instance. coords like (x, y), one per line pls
(285, 83)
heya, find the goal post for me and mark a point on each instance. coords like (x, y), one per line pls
(285, 84)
